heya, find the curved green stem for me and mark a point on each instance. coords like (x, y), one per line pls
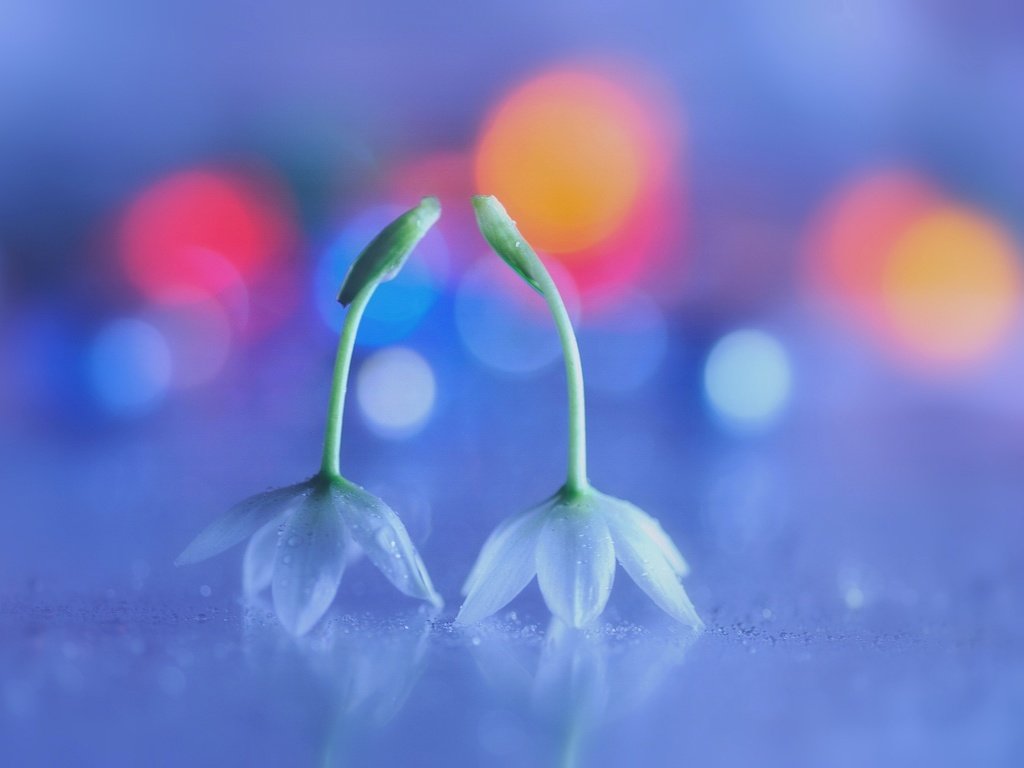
(576, 479)
(339, 382)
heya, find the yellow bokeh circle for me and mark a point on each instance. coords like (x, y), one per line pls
(569, 153)
(951, 287)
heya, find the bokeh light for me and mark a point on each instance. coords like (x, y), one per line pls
(198, 335)
(647, 250)
(399, 305)
(851, 237)
(201, 232)
(951, 287)
(395, 388)
(503, 323)
(567, 151)
(129, 366)
(747, 379)
(625, 344)
(447, 175)
(935, 283)
(585, 160)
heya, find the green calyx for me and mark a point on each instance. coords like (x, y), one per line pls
(501, 232)
(381, 260)
(576, 497)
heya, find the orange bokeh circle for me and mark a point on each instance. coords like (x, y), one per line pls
(951, 287)
(569, 152)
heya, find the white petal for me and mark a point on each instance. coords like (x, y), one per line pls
(644, 560)
(507, 563)
(258, 563)
(497, 537)
(241, 521)
(380, 533)
(310, 560)
(575, 563)
(353, 552)
(651, 527)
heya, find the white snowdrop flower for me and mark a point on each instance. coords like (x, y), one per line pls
(301, 537)
(571, 541)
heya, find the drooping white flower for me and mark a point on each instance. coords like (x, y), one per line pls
(571, 541)
(302, 536)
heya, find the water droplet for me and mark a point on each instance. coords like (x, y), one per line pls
(293, 540)
(386, 541)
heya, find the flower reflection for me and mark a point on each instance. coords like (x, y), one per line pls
(359, 672)
(575, 681)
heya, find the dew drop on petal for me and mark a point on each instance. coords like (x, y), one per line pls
(386, 540)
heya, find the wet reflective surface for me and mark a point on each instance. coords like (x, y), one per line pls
(861, 581)
(117, 682)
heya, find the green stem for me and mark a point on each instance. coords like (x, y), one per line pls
(339, 383)
(576, 480)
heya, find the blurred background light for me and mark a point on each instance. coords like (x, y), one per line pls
(396, 390)
(399, 305)
(747, 378)
(200, 232)
(935, 283)
(448, 175)
(567, 151)
(952, 287)
(198, 335)
(505, 324)
(646, 251)
(852, 234)
(584, 160)
(624, 345)
(129, 366)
